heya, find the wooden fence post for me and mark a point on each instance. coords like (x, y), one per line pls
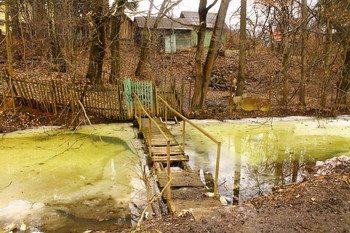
(53, 97)
(169, 175)
(217, 167)
(183, 135)
(189, 98)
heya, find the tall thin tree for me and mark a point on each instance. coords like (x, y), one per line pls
(148, 34)
(97, 47)
(199, 63)
(304, 17)
(9, 49)
(211, 56)
(56, 53)
(242, 49)
(117, 20)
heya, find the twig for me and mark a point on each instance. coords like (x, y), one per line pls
(6, 186)
(151, 201)
(86, 116)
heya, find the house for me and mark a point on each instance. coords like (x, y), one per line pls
(21, 17)
(192, 18)
(2, 18)
(127, 30)
(179, 33)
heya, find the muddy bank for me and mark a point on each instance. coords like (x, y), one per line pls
(25, 117)
(318, 204)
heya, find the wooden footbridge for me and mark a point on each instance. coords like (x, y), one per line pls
(183, 186)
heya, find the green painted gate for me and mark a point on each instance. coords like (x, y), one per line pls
(143, 90)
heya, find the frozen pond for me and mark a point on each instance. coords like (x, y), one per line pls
(79, 180)
(56, 180)
(258, 154)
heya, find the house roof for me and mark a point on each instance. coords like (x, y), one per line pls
(165, 23)
(192, 17)
(187, 20)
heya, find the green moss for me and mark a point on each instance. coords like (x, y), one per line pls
(47, 164)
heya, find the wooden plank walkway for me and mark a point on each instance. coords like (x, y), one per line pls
(158, 145)
(187, 188)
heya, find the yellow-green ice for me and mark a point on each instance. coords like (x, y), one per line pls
(257, 154)
(41, 165)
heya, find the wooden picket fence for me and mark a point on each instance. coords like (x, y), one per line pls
(107, 102)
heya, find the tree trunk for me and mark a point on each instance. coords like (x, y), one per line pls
(242, 49)
(97, 52)
(14, 15)
(117, 21)
(202, 11)
(327, 58)
(56, 53)
(9, 50)
(8, 38)
(147, 37)
(344, 82)
(286, 56)
(213, 49)
(303, 53)
(149, 33)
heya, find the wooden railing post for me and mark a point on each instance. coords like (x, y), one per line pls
(150, 136)
(166, 116)
(218, 143)
(189, 98)
(168, 173)
(183, 135)
(182, 96)
(216, 184)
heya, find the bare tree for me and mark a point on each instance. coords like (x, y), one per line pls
(56, 53)
(242, 49)
(304, 16)
(201, 88)
(149, 32)
(97, 47)
(199, 64)
(117, 20)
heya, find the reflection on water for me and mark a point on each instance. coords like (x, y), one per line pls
(257, 155)
(62, 168)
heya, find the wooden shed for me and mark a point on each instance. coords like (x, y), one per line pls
(179, 33)
(2, 18)
(127, 30)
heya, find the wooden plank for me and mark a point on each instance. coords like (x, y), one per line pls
(161, 142)
(174, 150)
(180, 179)
(172, 158)
(157, 137)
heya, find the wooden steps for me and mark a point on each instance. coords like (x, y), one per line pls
(186, 186)
(190, 198)
(162, 150)
(180, 179)
(157, 138)
(175, 158)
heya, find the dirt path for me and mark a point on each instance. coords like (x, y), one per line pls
(321, 204)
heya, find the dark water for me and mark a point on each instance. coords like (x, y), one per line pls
(259, 154)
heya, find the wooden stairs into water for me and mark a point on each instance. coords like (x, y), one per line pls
(187, 188)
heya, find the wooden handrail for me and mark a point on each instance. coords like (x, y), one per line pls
(218, 143)
(149, 116)
(188, 121)
(168, 146)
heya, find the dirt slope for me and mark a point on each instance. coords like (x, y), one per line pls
(321, 204)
